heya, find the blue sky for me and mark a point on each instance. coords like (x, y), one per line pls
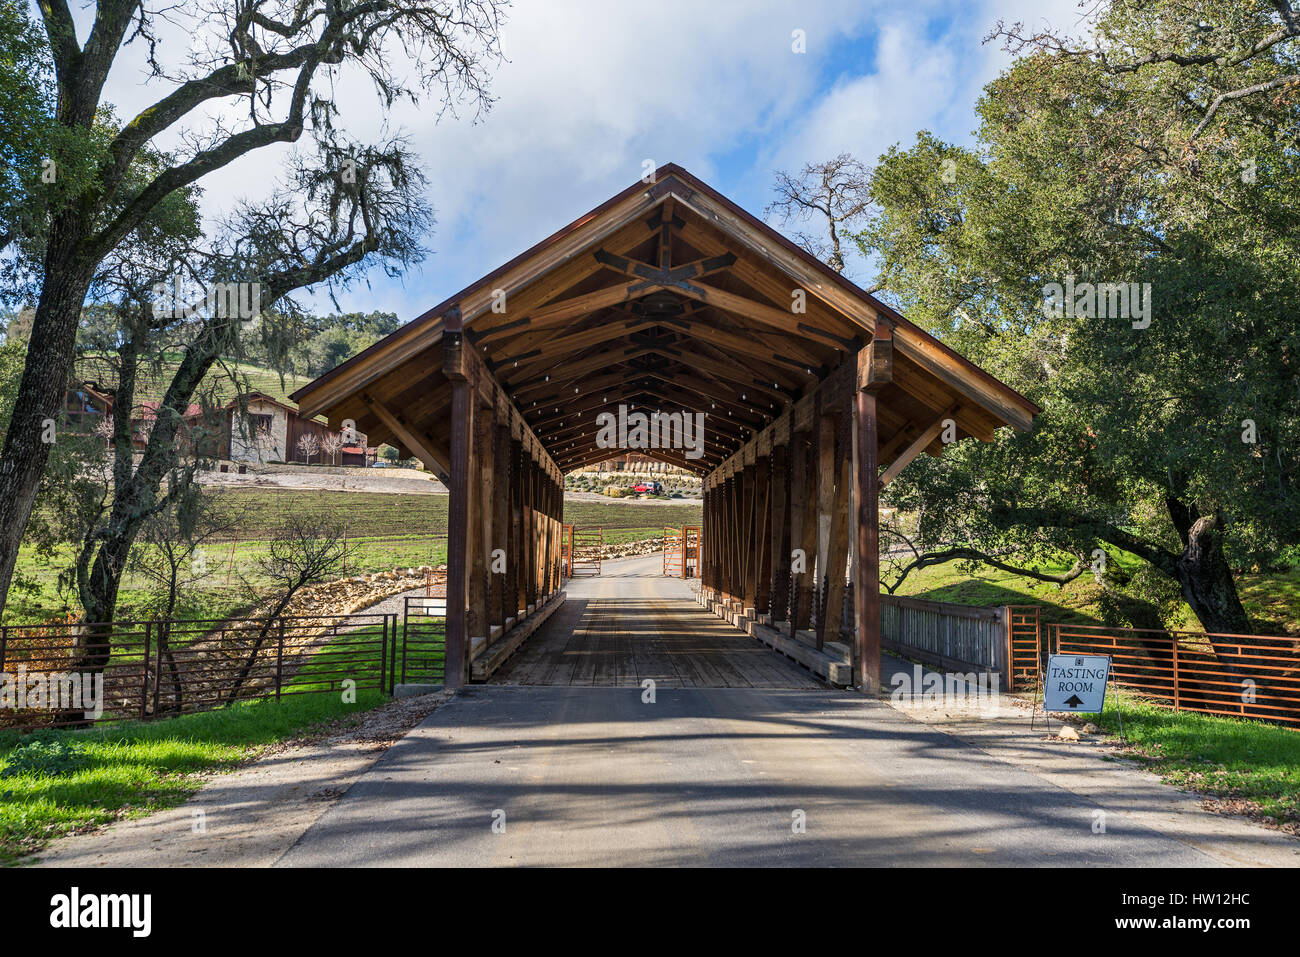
(592, 88)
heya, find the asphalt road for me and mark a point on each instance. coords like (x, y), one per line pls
(582, 775)
(594, 776)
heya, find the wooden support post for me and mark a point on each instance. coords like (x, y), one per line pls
(806, 583)
(708, 580)
(737, 588)
(826, 476)
(535, 526)
(800, 516)
(837, 564)
(463, 400)
(530, 530)
(780, 533)
(724, 541)
(516, 564)
(875, 370)
(729, 542)
(748, 537)
(500, 590)
(724, 530)
(480, 530)
(762, 540)
(552, 537)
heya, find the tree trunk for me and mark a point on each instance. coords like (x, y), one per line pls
(99, 601)
(42, 389)
(1207, 582)
(135, 493)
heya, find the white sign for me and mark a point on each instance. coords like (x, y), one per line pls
(1076, 683)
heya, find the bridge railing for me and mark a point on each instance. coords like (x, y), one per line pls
(949, 637)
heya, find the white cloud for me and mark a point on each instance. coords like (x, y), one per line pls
(593, 88)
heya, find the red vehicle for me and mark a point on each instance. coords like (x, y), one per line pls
(654, 488)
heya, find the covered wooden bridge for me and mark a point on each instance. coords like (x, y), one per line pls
(668, 299)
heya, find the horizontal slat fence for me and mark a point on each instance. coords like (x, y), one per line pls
(1250, 676)
(161, 668)
(950, 637)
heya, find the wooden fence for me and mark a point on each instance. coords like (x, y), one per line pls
(962, 638)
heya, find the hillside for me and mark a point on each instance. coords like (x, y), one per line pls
(224, 381)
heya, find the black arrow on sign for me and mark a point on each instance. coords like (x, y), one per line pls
(1074, 701)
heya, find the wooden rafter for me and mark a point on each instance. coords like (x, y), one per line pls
(560, 347)
(435, 456)
(673, 277)
(565, 310)
(918, 446)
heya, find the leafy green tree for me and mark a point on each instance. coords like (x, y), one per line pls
(1160, 151)
(258, 73)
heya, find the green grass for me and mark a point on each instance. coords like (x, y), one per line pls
(226, 380)
(224, 592)
(1251, 765)
(1273, 600)
(356, 655)
(132, 769)
(385, 530)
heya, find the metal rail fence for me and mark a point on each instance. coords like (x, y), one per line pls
(1250, 676)
(54, 674)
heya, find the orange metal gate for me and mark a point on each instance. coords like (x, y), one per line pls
(673, 557)
(692, 537)
(1025, 647)
(585, 546)
(682, 551)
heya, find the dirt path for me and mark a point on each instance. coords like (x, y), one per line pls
(326, 478)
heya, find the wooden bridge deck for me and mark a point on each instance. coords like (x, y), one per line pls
(633, 624)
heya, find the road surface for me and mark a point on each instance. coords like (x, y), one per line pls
(772, 769)
(591, 773)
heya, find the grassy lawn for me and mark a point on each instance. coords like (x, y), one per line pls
(384, 514)
(227, 379)
(60, 782)
(1252, 766)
